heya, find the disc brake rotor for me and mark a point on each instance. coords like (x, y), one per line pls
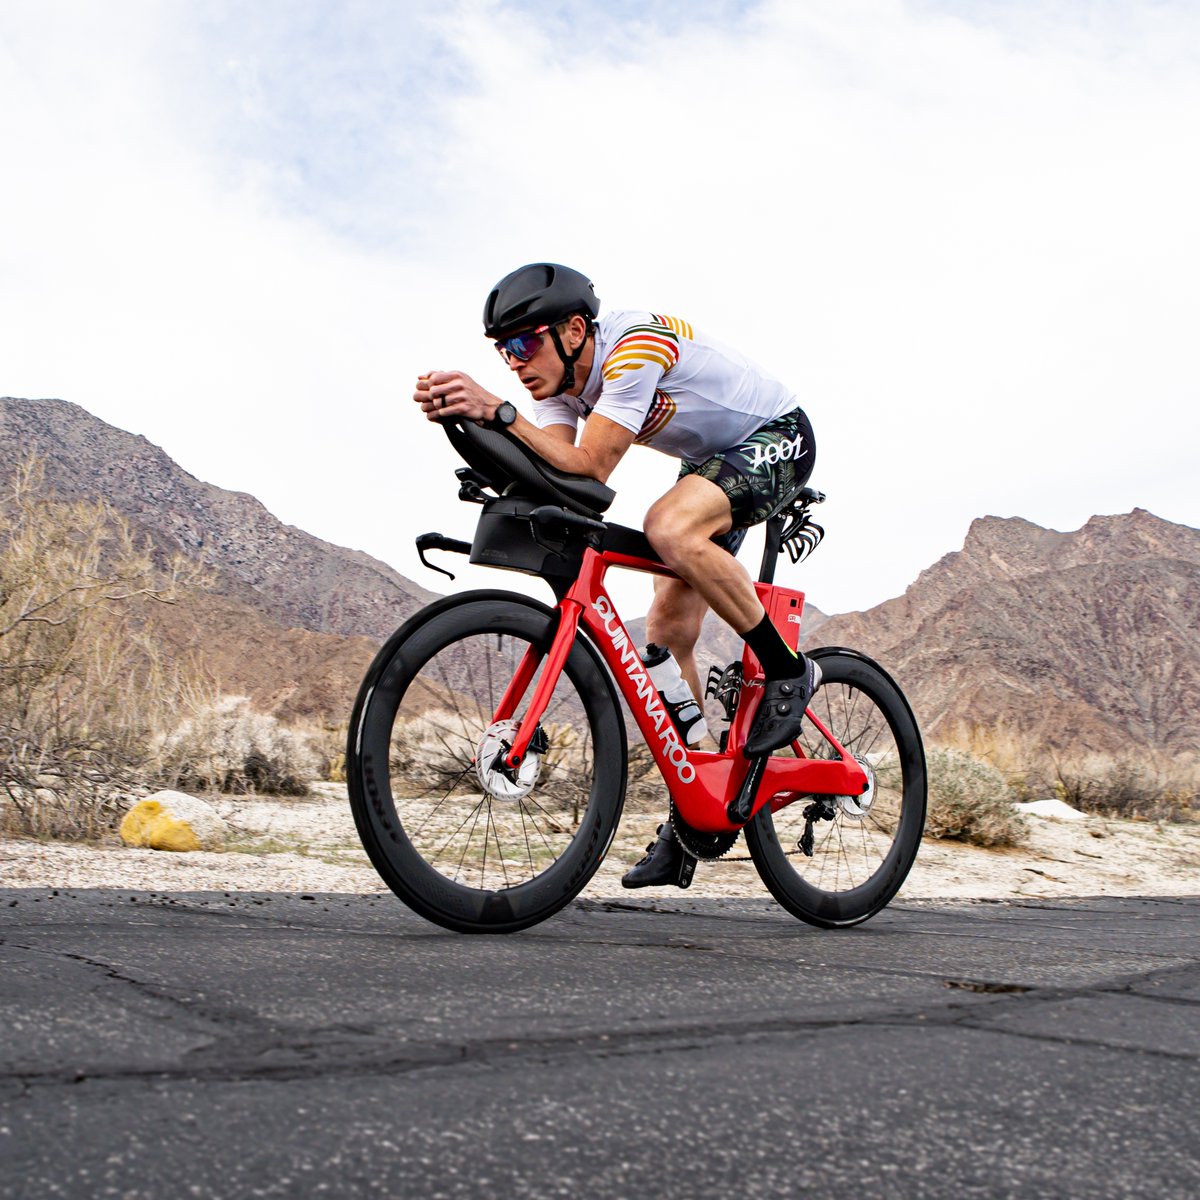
(501, 782)
(857, 807)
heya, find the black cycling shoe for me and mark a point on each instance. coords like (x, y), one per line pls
(781, 712)
(667, 864)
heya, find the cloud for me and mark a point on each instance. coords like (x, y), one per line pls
(969, 244)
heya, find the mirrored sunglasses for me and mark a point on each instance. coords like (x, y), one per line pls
(522, 346)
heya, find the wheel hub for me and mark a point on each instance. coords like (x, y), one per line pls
(499, 781)
(857, 807)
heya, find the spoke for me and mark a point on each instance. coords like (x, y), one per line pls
(458, 830)
(536, 827)
(483, 864)
(499, 851)
(525, 833)
(473, 813)
(438, 804)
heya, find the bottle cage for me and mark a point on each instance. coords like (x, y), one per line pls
(791, 528)
(801, 535)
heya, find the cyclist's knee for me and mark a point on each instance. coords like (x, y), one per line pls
(679, 523)
(671, 531)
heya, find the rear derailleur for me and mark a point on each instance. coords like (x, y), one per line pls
(822, 808)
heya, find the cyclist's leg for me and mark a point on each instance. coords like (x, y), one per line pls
(681, 526)
(747, 481)
(674, 620)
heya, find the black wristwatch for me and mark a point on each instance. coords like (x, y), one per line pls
(504, 416)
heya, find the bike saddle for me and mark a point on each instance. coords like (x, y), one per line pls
(505, 460)
(801, 496)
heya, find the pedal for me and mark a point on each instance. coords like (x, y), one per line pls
(740, 809)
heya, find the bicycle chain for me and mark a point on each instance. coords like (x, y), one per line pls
(706, 846)
(712, 846)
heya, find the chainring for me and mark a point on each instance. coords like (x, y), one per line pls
(708, 846)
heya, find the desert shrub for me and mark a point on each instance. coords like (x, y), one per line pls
(645, 790)
(327, 740)
(1129, 786)
(1027, 766)
(229, 747)
(83, 684)
(970, 801)
(84, 813)
(1146, 785)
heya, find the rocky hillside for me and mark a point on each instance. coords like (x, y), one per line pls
(1086, 640)
(281, 572)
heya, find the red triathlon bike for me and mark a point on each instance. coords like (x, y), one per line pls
(487, 751)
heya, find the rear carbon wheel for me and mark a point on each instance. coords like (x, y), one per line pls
(837, 860)
(466, 845)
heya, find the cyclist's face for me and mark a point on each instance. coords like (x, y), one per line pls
(541, 373)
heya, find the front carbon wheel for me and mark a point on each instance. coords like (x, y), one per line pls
(837, 860)
(470, 846)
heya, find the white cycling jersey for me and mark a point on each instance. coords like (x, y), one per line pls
(676, 390)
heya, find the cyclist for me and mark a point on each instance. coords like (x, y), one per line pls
(639, 377)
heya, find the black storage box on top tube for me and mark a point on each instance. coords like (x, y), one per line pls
(507, 537)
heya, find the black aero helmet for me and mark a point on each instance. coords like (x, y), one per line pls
(537, 294)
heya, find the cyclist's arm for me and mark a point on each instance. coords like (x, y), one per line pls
(601, 447)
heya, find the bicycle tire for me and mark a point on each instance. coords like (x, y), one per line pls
(859, 859)
(423, 813)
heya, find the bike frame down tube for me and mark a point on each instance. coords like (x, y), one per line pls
(701, 783)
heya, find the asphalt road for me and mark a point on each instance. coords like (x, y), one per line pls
(209, 1045)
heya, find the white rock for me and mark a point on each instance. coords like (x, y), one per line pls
(1056, 810)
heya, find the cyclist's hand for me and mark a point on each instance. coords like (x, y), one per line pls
(454, 394)
(431, 403)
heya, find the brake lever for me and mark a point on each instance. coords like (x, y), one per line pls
(439, 541)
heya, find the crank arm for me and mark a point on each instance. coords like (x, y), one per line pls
(739, 810)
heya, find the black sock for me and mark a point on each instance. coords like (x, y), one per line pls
(779, 660)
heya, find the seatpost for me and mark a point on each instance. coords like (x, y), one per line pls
(766, 570)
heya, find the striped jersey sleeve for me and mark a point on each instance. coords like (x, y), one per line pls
(655, 344)
(635, 374)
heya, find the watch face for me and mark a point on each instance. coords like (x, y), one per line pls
(506, 414)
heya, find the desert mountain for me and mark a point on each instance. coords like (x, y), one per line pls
(282, 572)
(1087, 640)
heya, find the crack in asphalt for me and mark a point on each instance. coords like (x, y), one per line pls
(192, 1006)
(265, 1051)
(242, 1045)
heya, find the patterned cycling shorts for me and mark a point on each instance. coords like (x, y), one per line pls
(758, 473)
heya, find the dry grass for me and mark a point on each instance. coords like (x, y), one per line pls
(1143, 784)
(228, 747)
(82, 685)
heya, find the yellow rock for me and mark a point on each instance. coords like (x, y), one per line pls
(172, 821)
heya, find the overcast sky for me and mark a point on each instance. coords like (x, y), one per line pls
(966, 234)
